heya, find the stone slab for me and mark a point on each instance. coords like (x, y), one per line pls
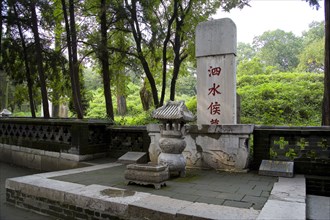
(133, 157)
(275, 209)
(157, 207)
(147, 167)
(318, 207)
(290, 189)
(276, 168)
(216, 37)
(210, 211)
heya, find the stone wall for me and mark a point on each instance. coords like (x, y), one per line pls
(308, 147)
(56, 144)
(127, 138)
(54, 208)
(73, 136)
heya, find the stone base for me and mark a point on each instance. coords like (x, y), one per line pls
(133, 157)
(219, 147)
(276, 168)
(175, 162)
(156, 185)
(147, 174)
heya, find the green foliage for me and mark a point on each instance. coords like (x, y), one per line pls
(143, 118)
(311, 59)
(191, 104)
(281, 98)
(245, 52)
(278, 48)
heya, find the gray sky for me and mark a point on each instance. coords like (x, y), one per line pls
(268, 15)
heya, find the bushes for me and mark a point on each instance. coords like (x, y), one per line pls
(281, 98)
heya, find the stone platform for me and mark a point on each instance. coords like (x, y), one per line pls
(100, 192)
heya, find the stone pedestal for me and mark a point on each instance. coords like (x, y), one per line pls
(172, 145)
(220, 147)
(147, 174)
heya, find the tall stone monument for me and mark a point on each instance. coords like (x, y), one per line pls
(216, 141)
(216, 42)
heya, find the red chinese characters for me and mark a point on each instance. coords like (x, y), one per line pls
(214, 108)
(214, 90)
(214, 71)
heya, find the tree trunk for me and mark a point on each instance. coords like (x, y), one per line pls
(326, 96)
(39, 60)
(146, 97)
(166, 41)
(75, 64)
(134, 23)
(27, 67)
(121, 105)
(1, 34)
(104, 56)
(72, 54)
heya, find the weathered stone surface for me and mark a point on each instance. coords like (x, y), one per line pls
(157, 207)
(216, 37)
(276, 168)
(223, 147)
(318, 207)
(290, 189)
(287, 200)
(172, 145)
(175, 162)
(209, 211)
(133, 157)
(154, 149)
(216, 72)
(275, 209)
(146, 174)
(219, 108)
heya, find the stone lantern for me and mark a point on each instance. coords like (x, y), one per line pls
(5, 113)
(173, 116)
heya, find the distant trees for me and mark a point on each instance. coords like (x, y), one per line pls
(285, 51)
(279, 48)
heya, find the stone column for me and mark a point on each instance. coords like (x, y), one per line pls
(216, 44)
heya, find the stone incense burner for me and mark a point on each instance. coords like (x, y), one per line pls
(173, 116)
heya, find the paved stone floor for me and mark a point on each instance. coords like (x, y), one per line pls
(9, 212)
(242, 190)
(231, 189)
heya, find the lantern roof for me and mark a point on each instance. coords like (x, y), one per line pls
(5, 112)
(173, 110)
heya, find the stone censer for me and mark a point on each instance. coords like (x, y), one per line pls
(173, 116)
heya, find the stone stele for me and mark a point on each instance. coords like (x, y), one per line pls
(216, 44)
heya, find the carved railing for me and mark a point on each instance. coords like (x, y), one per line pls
(123, 139)
(59, 135)
(308, 147)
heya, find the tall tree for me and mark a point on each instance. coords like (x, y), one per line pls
(326, 96)
(104, 56)
(163, 33)
(1, 3)
(71, 35)
(38, 51)
(26, 64)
